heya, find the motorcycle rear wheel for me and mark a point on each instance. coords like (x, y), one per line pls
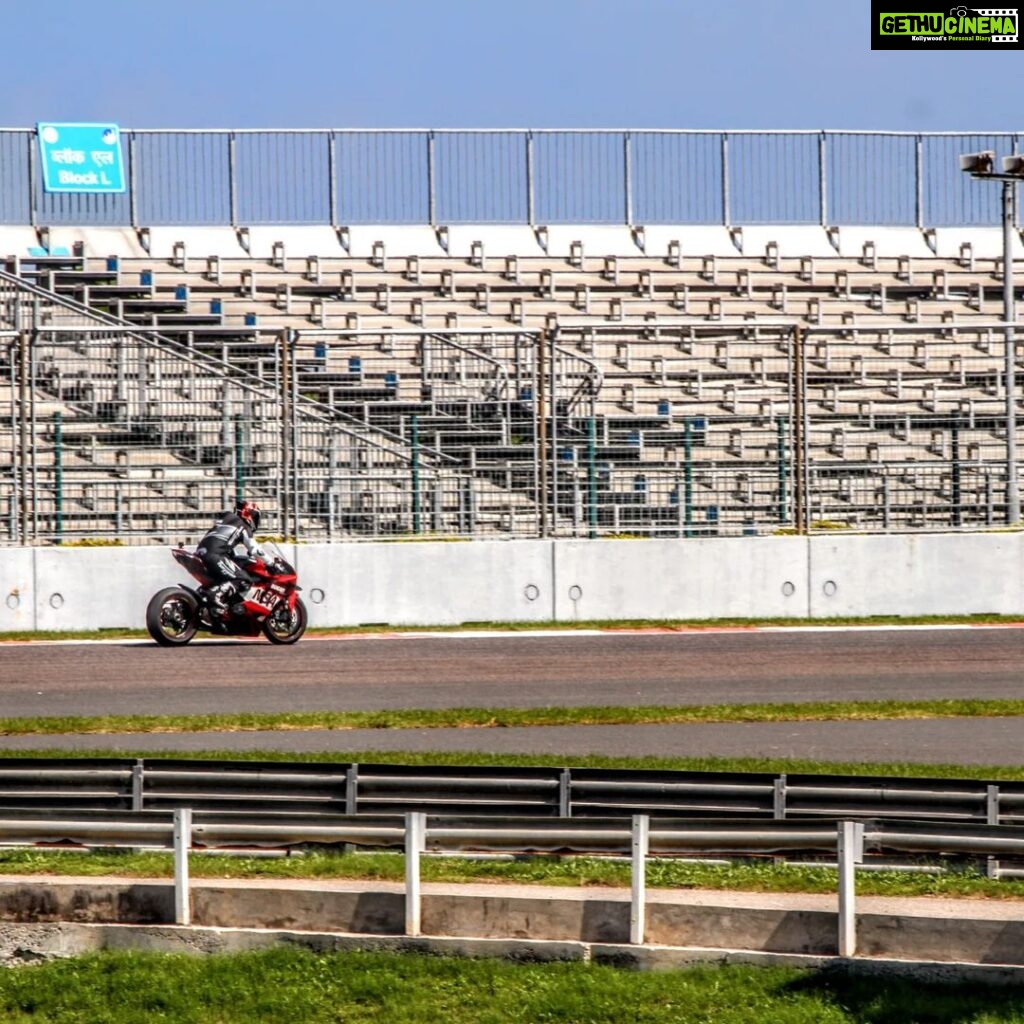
(284, 627)
(172, 617)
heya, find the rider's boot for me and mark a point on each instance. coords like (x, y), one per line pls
(238, 597)
(219, 596)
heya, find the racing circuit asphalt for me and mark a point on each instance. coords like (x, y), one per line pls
(382, 671)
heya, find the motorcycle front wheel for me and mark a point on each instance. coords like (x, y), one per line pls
(172, 617)
(284, 625)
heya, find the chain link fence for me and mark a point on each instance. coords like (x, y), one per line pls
(112, 432)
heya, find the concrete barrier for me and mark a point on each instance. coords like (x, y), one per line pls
(916, 574)
(430, 583)
(17, 589)
(447, 583)
(731, 577)
(776, 924)
(99, 588)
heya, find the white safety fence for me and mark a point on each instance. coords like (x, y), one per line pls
(419, 835)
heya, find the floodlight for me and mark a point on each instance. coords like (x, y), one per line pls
(978, 163)
(980, 166)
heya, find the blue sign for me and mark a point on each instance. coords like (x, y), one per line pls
(81, 157)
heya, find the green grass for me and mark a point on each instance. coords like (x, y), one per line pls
(772, 765)
(370, 987)
(740, 876)
(490, 718)
(984, 618)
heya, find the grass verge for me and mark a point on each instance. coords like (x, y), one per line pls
(491, 718)
(371, 987)
(741, 876)
(981, 619)
(768, 765)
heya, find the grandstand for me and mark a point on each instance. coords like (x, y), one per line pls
(504, 348)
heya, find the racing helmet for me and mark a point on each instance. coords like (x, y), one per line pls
(250, 512)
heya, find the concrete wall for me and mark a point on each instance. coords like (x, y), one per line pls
(437, 583)
(729, 577)
(964, 931)
(916, 574)
(432, 583)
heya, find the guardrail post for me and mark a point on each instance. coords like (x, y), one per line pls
(138, 777)
(415, 840)
(779, 798)
(182, 844)
(638, 899)
(850, 843)
(565, 794)
(992, 818)
(352, 789)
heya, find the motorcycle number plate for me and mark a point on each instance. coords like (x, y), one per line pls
(265, 597)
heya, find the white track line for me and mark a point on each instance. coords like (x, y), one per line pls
(532, 634)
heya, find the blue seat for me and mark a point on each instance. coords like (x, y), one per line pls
(355, 364)
(181, 293)
(113, 264)
(250, 319)
(320, 350)
(391, 381)
(217, 306)
(146, 279)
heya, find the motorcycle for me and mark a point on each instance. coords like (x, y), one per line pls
(272, 607)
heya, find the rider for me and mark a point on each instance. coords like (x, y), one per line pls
(217, 550)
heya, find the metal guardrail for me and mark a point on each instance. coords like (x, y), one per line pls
(323, 789)
(510, 176)
(415, 833)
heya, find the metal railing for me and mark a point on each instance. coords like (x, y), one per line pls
(326, 789)
(184, 830)
(423, 176)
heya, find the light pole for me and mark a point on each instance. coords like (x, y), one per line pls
(980, 165)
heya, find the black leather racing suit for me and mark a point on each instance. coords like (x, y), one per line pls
(217, 550)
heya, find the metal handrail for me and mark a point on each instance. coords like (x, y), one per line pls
(502, 394)
(591, 380)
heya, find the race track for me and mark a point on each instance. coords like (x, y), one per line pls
(370, 672)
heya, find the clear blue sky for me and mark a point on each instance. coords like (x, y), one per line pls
(488, 63)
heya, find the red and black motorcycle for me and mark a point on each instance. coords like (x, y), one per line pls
(272, 607)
